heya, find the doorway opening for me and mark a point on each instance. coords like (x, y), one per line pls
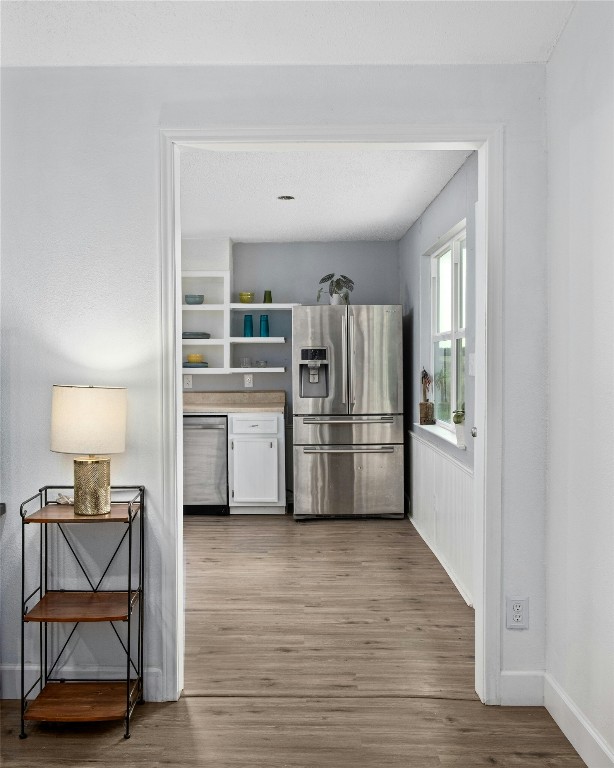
(487, 536)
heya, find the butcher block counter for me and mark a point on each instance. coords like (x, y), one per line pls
(260, 401)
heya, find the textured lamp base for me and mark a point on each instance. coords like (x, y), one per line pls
(92, 485)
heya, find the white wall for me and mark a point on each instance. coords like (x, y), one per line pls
(442, 504)
(454, 203)
(81, 265)
(580, 551)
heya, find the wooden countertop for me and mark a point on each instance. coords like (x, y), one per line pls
(260, 401)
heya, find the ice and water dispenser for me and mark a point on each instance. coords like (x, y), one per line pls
(314, 372)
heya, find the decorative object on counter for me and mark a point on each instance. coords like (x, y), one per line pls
(268, 298)
(339, 288)
(196, 365)
(458, 417)
(264, 325)
(246, 362)
(260, 363)
(248, 326)
(92, 420)
(427, 409)
(246, 297)
(195, 335)
(194, 298)
(195, 358)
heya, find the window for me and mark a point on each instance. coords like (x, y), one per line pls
(448, 338)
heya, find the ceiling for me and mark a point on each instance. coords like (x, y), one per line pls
(311, 32)
(339, 195)
(357, 195)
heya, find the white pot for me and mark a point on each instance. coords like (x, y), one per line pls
(338, 298)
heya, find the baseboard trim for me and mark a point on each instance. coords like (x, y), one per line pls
(523, 688)
(10, 678)
(447, 568)
(586, 740)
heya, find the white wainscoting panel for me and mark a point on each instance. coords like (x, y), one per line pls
(442, 510)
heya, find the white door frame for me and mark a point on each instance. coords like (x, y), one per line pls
(488, 141)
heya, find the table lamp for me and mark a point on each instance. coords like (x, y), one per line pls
(90, 420)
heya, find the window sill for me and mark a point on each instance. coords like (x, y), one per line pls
(444, 434)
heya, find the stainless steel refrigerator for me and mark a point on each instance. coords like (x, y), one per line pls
(347, 387)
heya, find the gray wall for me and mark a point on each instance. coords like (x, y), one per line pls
(454, 203)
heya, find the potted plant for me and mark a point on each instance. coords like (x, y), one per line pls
(339, 288)
(458, 417)
(427, 409)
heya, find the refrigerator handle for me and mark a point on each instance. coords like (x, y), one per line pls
(344, 367)
(351, 359)
(351, 449)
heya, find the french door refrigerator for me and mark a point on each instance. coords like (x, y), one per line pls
(347, 388)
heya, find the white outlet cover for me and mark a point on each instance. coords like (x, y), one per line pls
(517, 612)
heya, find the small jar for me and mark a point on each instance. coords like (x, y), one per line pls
(268, 299)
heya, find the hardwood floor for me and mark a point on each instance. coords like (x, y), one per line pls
(329, 644)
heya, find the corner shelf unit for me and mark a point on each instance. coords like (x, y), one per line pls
(48, 605)
(214, 316)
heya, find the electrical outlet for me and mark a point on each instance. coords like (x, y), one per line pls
(248, 380)
(517, 612)
(187, 381)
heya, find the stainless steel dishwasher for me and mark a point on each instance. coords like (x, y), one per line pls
(205, 462)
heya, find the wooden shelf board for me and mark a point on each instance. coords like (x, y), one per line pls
(257, 339)
(76, 702)
(65, 513)
(82, 606)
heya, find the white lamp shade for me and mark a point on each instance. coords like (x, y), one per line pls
(88, 420)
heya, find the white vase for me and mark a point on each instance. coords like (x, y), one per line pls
(337, 298)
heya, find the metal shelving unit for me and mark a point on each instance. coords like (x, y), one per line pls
(48, 605)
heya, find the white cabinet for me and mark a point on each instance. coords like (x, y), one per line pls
(254, 461)
(256, 476)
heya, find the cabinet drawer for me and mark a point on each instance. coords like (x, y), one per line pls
(253, 425)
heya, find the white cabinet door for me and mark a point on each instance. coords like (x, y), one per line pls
(254, 470)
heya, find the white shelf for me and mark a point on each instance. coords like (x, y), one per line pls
(203, 307)
(256, 370)
(209, 371)
(204, 273)
(200, 342)
(249, 307)
(257, 339)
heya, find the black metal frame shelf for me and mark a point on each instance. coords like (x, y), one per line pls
(79, 699)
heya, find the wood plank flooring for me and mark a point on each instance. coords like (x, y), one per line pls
(328, 644)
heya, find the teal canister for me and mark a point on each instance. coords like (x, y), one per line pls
(248, 325)
(264, 325)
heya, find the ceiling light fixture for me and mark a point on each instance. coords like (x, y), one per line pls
(285, 197)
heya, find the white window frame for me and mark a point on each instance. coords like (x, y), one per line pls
(452, 241)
